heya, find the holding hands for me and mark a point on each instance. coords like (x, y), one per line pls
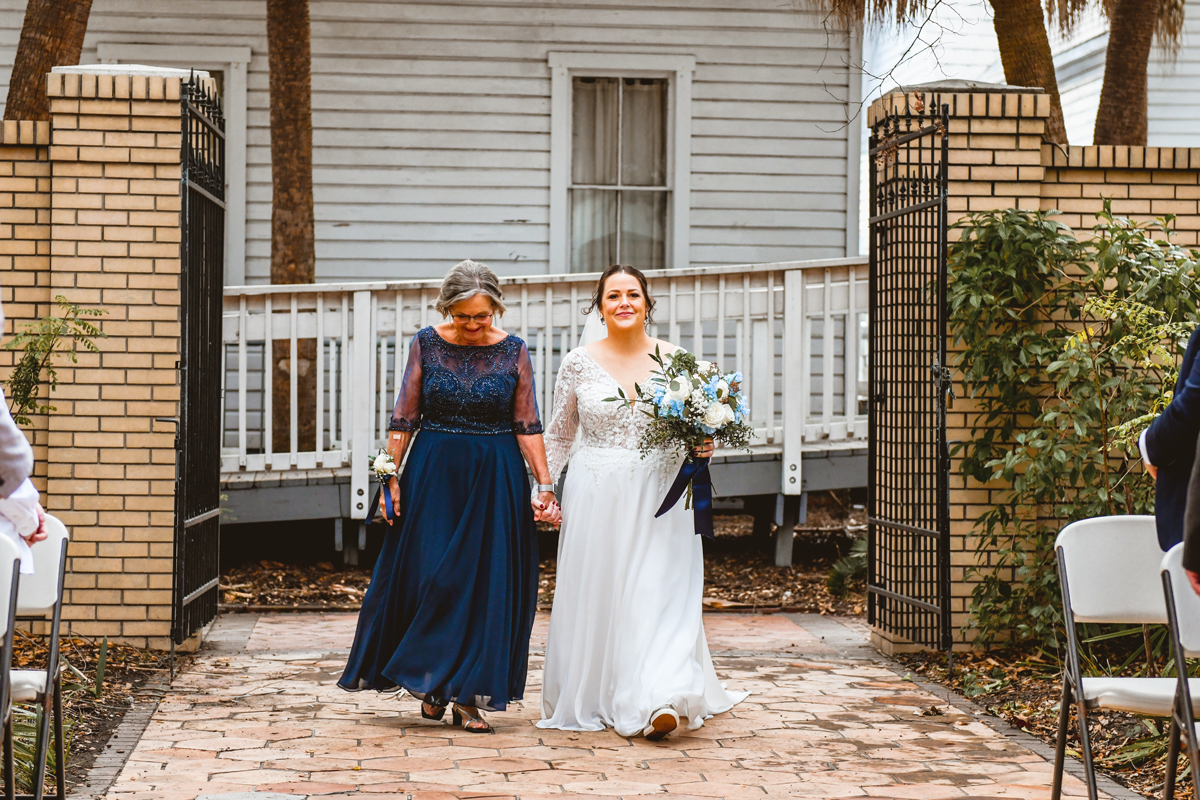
(546, 508)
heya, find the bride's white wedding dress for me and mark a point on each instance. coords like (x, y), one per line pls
(626, 635)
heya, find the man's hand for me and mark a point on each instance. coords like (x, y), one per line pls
(1194, 580)
(40, 534)
(1153, 470)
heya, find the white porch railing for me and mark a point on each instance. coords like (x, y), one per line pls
(796, 330)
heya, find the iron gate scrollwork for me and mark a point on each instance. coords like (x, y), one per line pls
(908, 484)
(197, 440)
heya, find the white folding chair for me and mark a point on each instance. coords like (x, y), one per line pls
(10, 575)
(1183, 620)
(40, 598)
(1109, 569)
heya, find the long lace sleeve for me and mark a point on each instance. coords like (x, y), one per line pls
(564, 424)
(525, 411)
(407, 414)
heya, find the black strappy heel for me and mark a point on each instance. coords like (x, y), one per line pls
(461, 713)
(441, 712)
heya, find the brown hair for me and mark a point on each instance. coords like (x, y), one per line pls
(622, 269)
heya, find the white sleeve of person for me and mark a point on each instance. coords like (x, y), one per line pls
(18, 519)
(1142, 448)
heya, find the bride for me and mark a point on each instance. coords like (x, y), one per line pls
(626, 646)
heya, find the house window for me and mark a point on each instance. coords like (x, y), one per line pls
(619, 192)
(620, 160)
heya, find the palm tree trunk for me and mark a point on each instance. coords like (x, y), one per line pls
(1025, 53)
(1121, 118)
(52, 36)
(293, 258)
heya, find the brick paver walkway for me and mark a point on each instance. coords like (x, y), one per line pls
(258, 712)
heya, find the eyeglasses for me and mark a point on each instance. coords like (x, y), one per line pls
(463, 319)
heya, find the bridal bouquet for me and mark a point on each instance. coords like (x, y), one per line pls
(689, 401)
(384, 468)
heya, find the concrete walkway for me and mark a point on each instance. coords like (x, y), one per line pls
(258, 716)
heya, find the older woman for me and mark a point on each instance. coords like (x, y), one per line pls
(451, 604)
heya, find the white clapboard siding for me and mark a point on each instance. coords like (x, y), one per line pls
(432, 122)
(1173, 104)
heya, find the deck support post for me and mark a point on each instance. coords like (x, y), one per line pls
(790, 511)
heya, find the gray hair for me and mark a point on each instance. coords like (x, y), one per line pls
(465, 280)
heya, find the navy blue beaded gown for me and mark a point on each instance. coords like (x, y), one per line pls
(450, 606)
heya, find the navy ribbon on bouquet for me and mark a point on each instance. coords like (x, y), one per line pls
(694, 471)
(389, 511)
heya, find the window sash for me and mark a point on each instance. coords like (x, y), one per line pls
(601, 232)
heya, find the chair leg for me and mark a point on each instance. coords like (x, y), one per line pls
(1085, 749)
(60, 755)
(1189, 742)
(1172, 761)
(1060, 747)
(10, 774)
(42, 747)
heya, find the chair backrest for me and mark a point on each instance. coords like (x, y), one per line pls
(1187, 602)
(8, 559)
(39, 592)
(1112, 569)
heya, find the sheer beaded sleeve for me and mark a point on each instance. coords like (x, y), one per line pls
(525, 411)
(407, 414)
(564, 425)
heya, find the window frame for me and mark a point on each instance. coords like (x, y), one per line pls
(678, 72)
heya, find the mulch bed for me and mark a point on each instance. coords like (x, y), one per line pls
(1025, 690)
(91, 719)
(270, 584)
(739, 571)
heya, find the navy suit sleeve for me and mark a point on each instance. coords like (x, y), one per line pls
(1171, 439)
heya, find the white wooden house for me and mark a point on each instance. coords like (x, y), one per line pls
(545, 137)
(444, 130)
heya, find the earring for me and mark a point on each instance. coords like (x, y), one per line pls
(603, 321)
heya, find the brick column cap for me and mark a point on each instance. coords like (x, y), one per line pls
(965, 99)
(121, 82)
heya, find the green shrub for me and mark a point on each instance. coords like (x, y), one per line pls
(1070, 348)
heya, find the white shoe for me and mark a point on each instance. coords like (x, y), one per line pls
(662, 722)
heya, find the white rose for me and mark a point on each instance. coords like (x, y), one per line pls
(729, 414)
(714, 415)
(380, 461)
(678, 389)
(722, 390)
(703, 366)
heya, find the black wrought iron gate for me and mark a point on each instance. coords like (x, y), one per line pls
(198, 441)
(908, 493)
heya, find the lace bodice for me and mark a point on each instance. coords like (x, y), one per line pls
(458, 388)
(581, 411)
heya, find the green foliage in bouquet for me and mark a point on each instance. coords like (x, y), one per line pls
(688, 401)
(1070, 348)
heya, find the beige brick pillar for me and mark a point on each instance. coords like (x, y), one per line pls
(115, 161)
